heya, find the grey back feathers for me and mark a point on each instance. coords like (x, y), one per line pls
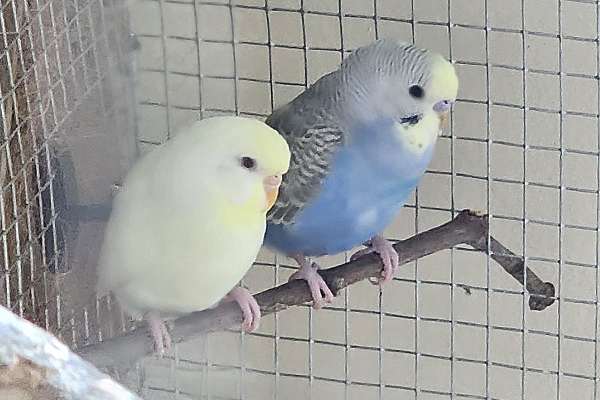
(371, 82)
(312, 135)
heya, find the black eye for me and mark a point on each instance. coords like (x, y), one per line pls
(248, 162)
(416, 91)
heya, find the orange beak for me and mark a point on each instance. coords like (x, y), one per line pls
(271, 185)
(444, 118)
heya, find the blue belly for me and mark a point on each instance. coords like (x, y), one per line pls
(369, 181)
(329, 230)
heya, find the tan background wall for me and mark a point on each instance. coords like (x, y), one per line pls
(424, 337)
(523, 146)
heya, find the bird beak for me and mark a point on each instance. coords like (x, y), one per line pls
(444, 117)
(271, 185)
(443, 109)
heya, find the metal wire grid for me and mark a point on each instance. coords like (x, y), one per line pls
(54, 57)
(491, 367)
(58, 111)
(531, 373)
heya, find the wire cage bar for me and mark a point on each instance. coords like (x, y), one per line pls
(81, 75)
(60, 76)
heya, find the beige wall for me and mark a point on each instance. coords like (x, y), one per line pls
(424, 337)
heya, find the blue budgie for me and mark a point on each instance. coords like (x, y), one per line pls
(361, 138)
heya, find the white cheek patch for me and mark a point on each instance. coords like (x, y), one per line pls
(242, 194)
(421, 136)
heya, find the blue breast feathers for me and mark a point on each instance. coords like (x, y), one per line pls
(370, 179)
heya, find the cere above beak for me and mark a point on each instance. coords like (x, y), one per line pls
(271, 185)
(442, 106)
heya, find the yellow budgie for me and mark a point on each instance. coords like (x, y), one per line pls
(189, 221)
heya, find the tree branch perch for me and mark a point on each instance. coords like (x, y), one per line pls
(466, 228)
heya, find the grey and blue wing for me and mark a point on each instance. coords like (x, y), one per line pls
(309, 126)
(312, 151)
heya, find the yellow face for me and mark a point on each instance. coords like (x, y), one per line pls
(258, 157)
(443, 88)
(266, 158)
(250, 199)
(419, 137)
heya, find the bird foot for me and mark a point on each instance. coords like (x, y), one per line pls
(160, 334)
(387, 253)
(249, 306)
(321, 293)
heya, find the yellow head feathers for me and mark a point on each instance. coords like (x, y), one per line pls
(228, 136)
(444, 82)
(241, 160)
(232, 158)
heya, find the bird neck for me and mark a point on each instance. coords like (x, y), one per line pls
(392, 148)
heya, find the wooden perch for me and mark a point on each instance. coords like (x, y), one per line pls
(466, 228)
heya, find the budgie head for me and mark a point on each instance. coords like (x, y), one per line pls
(248, 159)
(394, 79)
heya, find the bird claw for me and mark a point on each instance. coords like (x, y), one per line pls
(387, 253)
(249, 306)
(160, 334)
(319, 290)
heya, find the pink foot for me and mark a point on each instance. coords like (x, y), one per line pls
(388, 255)
(321, 293)
(249, 306)
(160, 334)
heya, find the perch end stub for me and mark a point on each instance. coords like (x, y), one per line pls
(539, 302)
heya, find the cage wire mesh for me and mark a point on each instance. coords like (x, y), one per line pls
(66, 136)
(523, 146)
